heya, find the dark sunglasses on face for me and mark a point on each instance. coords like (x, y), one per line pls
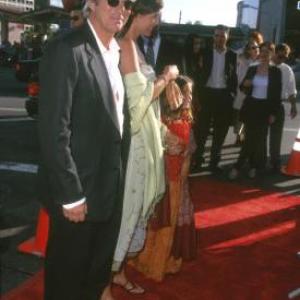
(127, 3)
(254, 47)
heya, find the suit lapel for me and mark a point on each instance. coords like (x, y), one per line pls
(160, 55)
(140, 43)
(98, 68)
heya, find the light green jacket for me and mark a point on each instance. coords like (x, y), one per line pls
(145, 120)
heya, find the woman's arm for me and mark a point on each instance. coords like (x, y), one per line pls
(246, 85)
(170, 72)
(130, 64)
(129, 57)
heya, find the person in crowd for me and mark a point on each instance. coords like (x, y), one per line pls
(184, 246)
(76, 17)
(192, 48)
(145, 175)
(288, 93)
(262, 85)
(257, 37)
(254, 36)
(84, 138)
(218, 85)
(166, 243)
(156, 49)
(246, 59)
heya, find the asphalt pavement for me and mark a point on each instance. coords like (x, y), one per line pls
(19, 156)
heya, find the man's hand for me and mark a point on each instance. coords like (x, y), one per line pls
(76, 214)
(247, 83)
(293, 112)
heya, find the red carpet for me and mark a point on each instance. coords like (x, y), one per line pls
(248, 244)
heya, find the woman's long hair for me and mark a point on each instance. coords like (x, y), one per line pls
(142, 7)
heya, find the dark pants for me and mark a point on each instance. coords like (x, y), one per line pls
(255, 116)
(276, 130)
(79, 257)
(215, 111)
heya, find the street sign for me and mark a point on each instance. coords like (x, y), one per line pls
(298, 5)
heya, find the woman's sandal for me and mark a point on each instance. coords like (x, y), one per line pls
(131, 288)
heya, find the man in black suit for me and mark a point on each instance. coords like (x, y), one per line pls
(84, 139)
(218, 84)
(165, 51)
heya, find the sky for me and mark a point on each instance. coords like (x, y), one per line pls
(208, 12)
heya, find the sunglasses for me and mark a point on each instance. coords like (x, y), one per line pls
(254, 47)
(128, 4)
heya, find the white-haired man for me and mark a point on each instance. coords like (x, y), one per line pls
(84, 139)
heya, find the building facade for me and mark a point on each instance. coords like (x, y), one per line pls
(271, 19)
(247, 13)
(9, 30)
(279, 21)
(17, 5)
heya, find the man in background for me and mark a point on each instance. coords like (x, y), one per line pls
(160, 51)
(288, 94)
(217, 88)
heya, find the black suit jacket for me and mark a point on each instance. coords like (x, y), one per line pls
(82, 151)
(169, 53)
(206, 57)
(274, 88)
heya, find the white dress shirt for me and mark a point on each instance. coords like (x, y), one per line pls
(111, 57)
(288, 81)
(216, 79)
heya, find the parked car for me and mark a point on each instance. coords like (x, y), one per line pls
(25, 69)
(33, 89)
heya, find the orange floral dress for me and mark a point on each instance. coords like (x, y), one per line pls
(160, 255)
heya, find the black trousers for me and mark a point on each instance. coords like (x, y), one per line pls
(275, 138)
(79, 257)
(255, 114)
(216, 111)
